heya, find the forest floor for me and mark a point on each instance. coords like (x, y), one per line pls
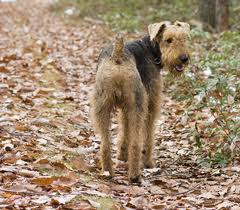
(48, 156)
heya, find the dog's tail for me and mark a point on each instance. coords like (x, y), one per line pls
(118, 48)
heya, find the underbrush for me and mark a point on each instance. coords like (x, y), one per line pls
(131, 15)
(211, 93)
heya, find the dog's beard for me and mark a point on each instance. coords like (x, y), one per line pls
(173, 64)
(176, 69)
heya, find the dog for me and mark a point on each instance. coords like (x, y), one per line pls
(128, 78)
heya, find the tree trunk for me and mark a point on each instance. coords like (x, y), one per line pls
(214, 14)
(222, 15)
(207, 12)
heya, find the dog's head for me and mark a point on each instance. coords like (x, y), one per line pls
(173, 41)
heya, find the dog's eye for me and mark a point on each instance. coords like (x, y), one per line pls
(169, 41)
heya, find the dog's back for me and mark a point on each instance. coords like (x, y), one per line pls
(117, 73)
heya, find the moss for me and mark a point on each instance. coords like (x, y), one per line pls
(98, 202)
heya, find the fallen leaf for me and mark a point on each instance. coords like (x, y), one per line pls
(43, 181)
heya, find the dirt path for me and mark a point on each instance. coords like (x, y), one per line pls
(48, 149)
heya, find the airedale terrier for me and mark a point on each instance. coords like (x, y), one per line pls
(128, 77)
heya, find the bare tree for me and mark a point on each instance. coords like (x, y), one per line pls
(222, 15)
(214, 14)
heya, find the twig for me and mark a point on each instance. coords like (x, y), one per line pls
(22, 192)
(81, 192)
(189, 190)
(172, 194)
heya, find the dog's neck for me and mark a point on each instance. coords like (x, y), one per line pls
(154, 50)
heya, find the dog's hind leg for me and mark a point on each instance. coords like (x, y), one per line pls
(101, 117)
(136, 115)
(123, 139)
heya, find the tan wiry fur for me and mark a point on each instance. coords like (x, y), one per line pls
(179, 34)
(119, 85)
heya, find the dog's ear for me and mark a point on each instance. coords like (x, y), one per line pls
(156, 29)
(184, 25)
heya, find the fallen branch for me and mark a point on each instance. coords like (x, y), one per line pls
(167, 194)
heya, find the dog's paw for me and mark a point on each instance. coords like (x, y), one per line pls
(107, 170)
(107, 174)
(135, 179)
(149, 164)
(122, 155)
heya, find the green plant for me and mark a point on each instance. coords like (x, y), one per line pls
(130, 15)
(212, 89)
(221, 97)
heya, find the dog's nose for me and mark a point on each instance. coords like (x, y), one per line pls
(183, 58)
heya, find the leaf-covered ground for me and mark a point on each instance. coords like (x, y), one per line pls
(48, 150)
